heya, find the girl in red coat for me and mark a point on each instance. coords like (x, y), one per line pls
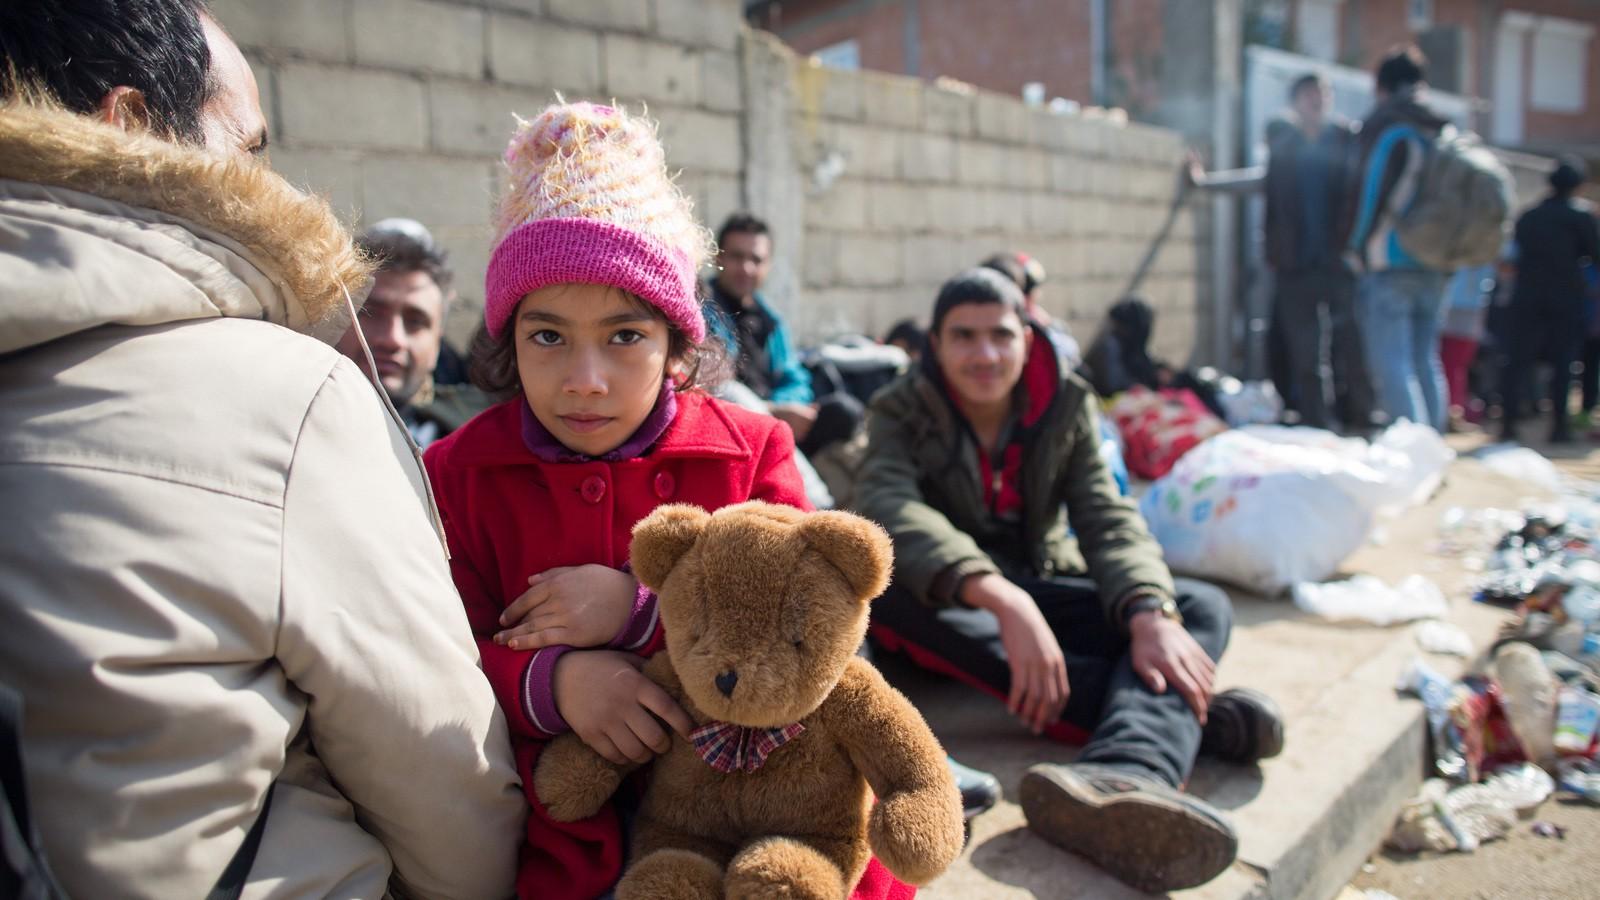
(591, 318)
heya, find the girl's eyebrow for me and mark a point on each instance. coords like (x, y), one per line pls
(625, 318)
(534, 315)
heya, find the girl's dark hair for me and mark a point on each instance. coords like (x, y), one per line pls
(79, 50)
(492, 362)
(979, 285)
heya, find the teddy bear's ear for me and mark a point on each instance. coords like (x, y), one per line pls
(856, 547)
(662, 538)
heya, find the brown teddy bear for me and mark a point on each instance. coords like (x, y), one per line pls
(764, 607)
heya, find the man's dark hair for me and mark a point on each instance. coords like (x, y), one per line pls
(79, 50)
(906, 331)
(980, 285)
(1402, 68)
(404, 245)
(742, 223)
(1305, 82)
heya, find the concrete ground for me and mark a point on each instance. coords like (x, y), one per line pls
(1308, 819)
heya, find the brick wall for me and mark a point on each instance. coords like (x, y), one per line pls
(936, 179)
(401, 107)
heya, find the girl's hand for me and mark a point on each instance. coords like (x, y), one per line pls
(614, 708)
(580, 606)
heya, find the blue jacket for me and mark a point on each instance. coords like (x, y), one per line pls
(791, 382)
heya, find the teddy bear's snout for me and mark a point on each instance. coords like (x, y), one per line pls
(727, 681)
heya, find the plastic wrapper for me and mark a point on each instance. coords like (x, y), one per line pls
(1442, 819)
(1367, 599)
(1577, 721)
(1443, 637)
(1580, 777)
(1521, 464)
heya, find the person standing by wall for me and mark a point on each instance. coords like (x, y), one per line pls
(1555, 240)
(1399, 300)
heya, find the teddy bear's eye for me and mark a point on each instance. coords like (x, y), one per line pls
(797, 643)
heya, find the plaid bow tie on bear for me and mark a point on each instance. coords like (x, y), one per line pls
(734, 748)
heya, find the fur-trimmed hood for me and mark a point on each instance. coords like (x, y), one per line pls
(99, 226)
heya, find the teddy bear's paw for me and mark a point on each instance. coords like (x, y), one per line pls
(916, 835)
(572, 781)
(671, 875)
(784, 869)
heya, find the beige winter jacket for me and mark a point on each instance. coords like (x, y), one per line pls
(216, 568)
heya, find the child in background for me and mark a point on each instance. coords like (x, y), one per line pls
(591, 319)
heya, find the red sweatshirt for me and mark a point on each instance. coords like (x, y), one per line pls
(509, 515)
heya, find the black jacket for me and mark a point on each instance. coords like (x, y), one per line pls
(1554, 240)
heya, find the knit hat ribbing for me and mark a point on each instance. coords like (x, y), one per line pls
(588, 200)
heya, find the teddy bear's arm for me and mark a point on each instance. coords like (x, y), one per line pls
(574, 782)
(916, 825)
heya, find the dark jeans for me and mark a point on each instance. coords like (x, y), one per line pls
(1537, 335)
(1322, 374)
(1128, 724)
(1591, 373)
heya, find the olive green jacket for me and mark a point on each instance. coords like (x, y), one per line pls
(921, 480)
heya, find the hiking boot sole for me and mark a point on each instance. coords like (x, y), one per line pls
(1147, 841)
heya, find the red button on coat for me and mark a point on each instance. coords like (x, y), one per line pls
(593, 488)
(665, 485)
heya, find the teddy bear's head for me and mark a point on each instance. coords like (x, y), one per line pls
(763, 605)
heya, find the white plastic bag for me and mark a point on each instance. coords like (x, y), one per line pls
(1367, 599)
(1267, 507)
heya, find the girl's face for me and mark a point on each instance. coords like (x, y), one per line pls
(591, 361)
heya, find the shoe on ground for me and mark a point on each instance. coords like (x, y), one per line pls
(980, 791)
(1242, 726)
(1149, 836)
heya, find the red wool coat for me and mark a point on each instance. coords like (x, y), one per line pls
(509, 515)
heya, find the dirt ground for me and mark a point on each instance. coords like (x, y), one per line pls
(1523, 865)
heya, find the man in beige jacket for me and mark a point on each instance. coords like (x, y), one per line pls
(217, 571)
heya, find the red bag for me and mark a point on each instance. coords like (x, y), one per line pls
(1158, 429)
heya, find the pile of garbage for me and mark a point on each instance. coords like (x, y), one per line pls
(1529, 726)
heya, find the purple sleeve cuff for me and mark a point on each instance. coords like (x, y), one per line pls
(642, 622)
(538, 690)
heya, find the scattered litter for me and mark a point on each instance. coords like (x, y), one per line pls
(1549, 830)
(1435, 636)
(1577, 719)
(1249, 402)
(1524, 786)
(1581, 777)
(1442, 819)
(1521, 464)
(1367, 599)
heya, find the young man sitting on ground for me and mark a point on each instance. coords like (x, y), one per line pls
(977, 460)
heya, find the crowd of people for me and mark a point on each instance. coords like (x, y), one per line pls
(1362, 332)
(296, 597)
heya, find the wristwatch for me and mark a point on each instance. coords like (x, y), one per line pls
(1164, 606)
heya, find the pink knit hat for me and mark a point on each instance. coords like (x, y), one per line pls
(589, 201)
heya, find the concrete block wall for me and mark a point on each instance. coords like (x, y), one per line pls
(402, 107)
(908, 182)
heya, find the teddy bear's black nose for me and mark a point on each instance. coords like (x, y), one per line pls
(726, 682)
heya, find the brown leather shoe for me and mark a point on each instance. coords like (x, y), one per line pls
(1144, 833)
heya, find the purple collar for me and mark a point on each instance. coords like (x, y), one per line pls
(543, 444)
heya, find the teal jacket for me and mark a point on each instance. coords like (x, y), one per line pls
(791, 383)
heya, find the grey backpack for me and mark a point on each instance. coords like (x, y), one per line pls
(1462, 206)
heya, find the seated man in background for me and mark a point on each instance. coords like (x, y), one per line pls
(403, 321)
(972, 458)
(764, 355)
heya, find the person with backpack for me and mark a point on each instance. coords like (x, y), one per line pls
(1428, 201)
(1555, 240)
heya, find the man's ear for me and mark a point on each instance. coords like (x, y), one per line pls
(662, 539)
(860, 550)
(125, 108)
